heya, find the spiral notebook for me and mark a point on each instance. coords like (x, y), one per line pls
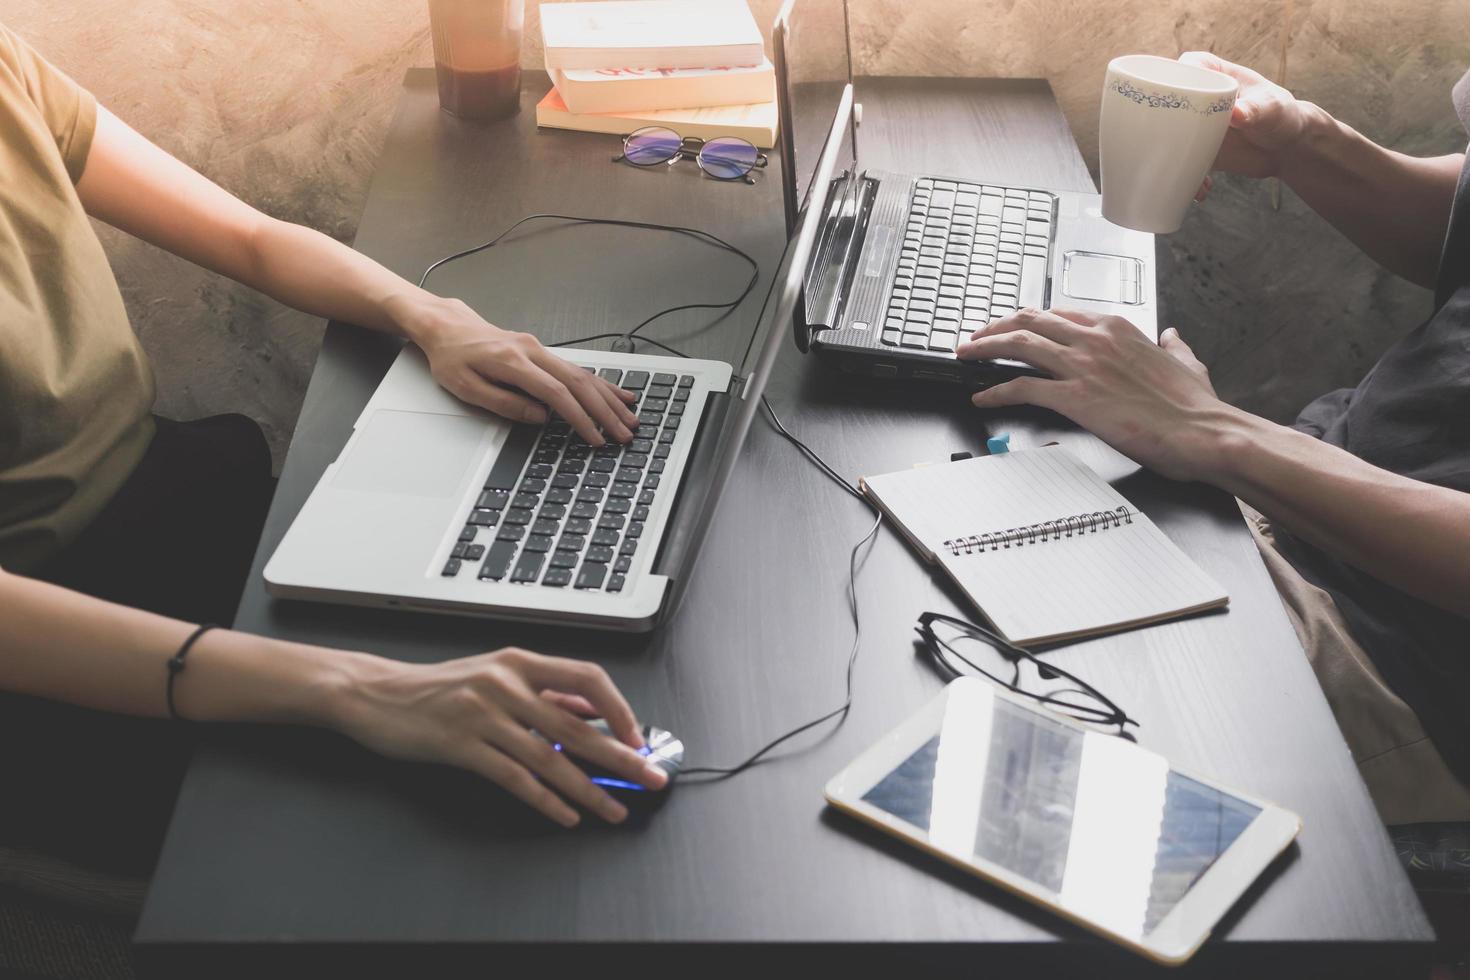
(1043, 545)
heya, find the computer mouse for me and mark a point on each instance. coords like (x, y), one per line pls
(660, 747)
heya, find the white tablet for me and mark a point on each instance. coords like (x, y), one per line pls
(1092, 826)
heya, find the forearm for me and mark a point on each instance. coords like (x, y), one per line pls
(316, 274)
(1414, 536)
(1393, 206)
(65, 646)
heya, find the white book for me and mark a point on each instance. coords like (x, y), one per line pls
(644, 89)
(650, 34)
(1043, 546)
(755, 123)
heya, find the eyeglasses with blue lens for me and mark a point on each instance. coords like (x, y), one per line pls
(723, 158)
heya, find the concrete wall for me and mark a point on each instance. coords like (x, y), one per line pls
(285, 103)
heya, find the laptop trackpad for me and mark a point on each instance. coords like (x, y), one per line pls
(1102, 278)
(415, 453)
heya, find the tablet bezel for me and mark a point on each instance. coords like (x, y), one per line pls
(1176, 937)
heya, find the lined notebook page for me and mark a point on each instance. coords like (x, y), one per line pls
(1063, 587)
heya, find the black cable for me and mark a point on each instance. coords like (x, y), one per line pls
(695, 233)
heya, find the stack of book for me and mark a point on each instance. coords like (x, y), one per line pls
(697, 67)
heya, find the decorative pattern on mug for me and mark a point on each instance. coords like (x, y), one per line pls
(1168, 100)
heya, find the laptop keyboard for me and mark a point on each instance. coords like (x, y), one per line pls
(971, 253)
(557, 512)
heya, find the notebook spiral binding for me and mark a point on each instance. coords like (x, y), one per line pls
(1098, 520)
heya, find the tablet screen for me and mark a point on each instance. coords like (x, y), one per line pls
(1106, 826)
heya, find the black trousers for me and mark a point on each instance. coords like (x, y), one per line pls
(177, 539)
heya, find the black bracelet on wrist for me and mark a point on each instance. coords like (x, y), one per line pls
(176, 666)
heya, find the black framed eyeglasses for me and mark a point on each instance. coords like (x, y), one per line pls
(723, 158)
(951, 642)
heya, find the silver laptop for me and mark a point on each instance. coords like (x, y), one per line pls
(908, 265)
(436, 505)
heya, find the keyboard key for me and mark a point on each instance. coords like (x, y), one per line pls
(543, 526)
(665, 379)
(603, 465)
(524, 501)
(605, 537)
(666, 436)
(682, 395)
(686, 381)
(659, 405)
(511, 532)
(571, 542)
(635, 529)
(558, 495)
(539, 470)
(670, 424)
(657, 466)
(484, 518)
(528, 566)
(518, 516)
(566, 481)
(615, 584)
(612, 521)
(552, 512)
(584, 509)
(497, 562)
(624, 490)
(468, 534)
(630, 545)
(623, 564)
(591, 576)
(640, 513)
(610, 374)
(512, 457)
(662, 452)
(557, 577)
(451, 568)
(650, 418)
(639, 446)
(599, 554)
(659, 391)
(646, 497)
(532, 485)
(635, 461)
(564, 559)
(578, 525)
(589, 495)
(598, 480)
(571, 466)
(635, 380)
(493, 499)
(458, 550)
(474, 552)
(652, 481)
(539, 543)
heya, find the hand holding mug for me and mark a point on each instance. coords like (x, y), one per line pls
(1266, 122)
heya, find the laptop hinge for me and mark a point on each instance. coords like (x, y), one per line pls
(675, 549)
(829, 281)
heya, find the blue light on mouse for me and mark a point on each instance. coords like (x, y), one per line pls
(610, 782)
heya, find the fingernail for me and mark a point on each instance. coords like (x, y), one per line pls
(656, 777)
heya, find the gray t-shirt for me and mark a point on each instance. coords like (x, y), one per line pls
(1411, 415)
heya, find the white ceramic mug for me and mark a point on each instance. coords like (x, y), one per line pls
(1162, 125)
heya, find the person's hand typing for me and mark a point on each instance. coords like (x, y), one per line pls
(1151, 402)
(480, 363)
(478, 713)
(1266, 122)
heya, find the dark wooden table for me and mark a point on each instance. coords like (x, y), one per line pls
(290, 844)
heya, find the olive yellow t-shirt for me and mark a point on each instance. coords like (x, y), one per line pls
(75, 386)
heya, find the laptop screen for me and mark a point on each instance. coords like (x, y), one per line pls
(770, 334)
(813, 64)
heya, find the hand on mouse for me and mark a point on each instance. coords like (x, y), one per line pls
(478, 713)
(475, 361)
(1264, 125)
(1152, 402)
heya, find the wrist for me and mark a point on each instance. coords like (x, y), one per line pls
(1231, 439)
(419, 315)
(1298, 158)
